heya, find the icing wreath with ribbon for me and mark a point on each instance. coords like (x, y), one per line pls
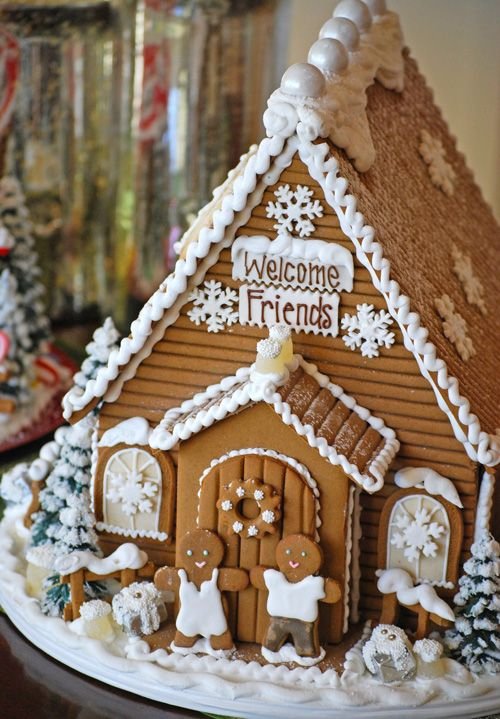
(264, 495)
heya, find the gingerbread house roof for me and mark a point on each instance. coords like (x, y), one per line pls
(387, 165)
(318, 410)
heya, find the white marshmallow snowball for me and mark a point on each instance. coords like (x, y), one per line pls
(376, 7)
(303, 80)
(329, 55)
(356, 11)
(343, 30)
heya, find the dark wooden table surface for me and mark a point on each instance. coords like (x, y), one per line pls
(33, 686)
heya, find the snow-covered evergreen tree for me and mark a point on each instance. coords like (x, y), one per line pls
(475, 640)
(17, 365)
(22, 261)
(104, 341)
(65, 519)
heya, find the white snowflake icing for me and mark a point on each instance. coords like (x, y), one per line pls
(227, 505)
(258, 494)
(294, 210)
(440, 171)
(367, 330)
(132, 491)
(471, 284)
(454, 327)
(213, 304)
(252, 530)
(237, 527)
(268, 516)
(417, 534)
(240, 491)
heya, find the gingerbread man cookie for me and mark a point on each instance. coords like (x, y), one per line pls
(199, 584)
(293, 595)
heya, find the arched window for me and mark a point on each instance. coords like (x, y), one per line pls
(137, 492)
(422, 535)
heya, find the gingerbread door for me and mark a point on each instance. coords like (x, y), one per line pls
(252, 499)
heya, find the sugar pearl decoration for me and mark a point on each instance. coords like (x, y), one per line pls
(303, 80)
(94, 609)
(280, 333)
(343, 30)
(376, 7)
(329, 55)
(356, 11)
(268, 349)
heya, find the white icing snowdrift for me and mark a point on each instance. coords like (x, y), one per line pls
(231, 687)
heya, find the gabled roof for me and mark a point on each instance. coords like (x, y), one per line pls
(417, 224)
(318, 410)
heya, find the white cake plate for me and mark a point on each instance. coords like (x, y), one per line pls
(225, 687)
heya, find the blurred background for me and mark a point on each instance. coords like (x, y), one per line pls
(120, 117)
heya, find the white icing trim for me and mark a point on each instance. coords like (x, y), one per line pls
(132, 431)
(428, 479)
(223, 399)
(126, 556)
(293, 463)
(400, 582)
(348, 557)
(93, 463)
(354, 594)
(134, 533)
(287, 653)
(484, 505)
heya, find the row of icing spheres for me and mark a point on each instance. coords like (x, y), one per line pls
(330, 54)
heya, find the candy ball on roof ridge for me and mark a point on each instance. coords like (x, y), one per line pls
(376, 7)
(356, 11)
(343, 30)
(303, 80)
(329, 56)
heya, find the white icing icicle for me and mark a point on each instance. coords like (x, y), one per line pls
(430, 480)
(135, 430)
(127, 556)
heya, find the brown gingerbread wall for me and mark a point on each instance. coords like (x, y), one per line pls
(188, 358)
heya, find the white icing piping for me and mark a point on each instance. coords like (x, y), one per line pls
(93, 463)
(239, 390)
(348, 557)
(134, 533)
(355, 595)
(323, 168)
(293, 463)
(484, 505)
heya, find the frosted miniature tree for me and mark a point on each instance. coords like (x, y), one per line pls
(104, 341)
(475, 640)
(22, 260)
(16, 362)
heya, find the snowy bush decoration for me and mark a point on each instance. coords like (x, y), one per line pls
(139, 608)
(471, 284)
(294, 210)
(367, 330)
(417, 533)
(475, 640)
(104, 341)
(388, 654)
(213, 304)
(454, 327)
(440, 171)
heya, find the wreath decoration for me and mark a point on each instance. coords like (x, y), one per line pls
(268, 502)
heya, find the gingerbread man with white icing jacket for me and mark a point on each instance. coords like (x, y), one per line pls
(198, 584)
(293, 595)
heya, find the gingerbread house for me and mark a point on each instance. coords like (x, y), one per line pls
(357, 225)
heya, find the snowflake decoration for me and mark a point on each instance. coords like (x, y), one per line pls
(213, 305)
(454, 327)
(471, 284)
(252, 530)
(367, 330)
(433, 154)
(240, 492)
(417, 534)
(227, 505)
(258, 494)
(268, 516)
(237, 527)
(294, 210)
(132, 492)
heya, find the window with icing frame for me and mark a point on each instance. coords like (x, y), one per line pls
(421, 534)
(135, 492)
